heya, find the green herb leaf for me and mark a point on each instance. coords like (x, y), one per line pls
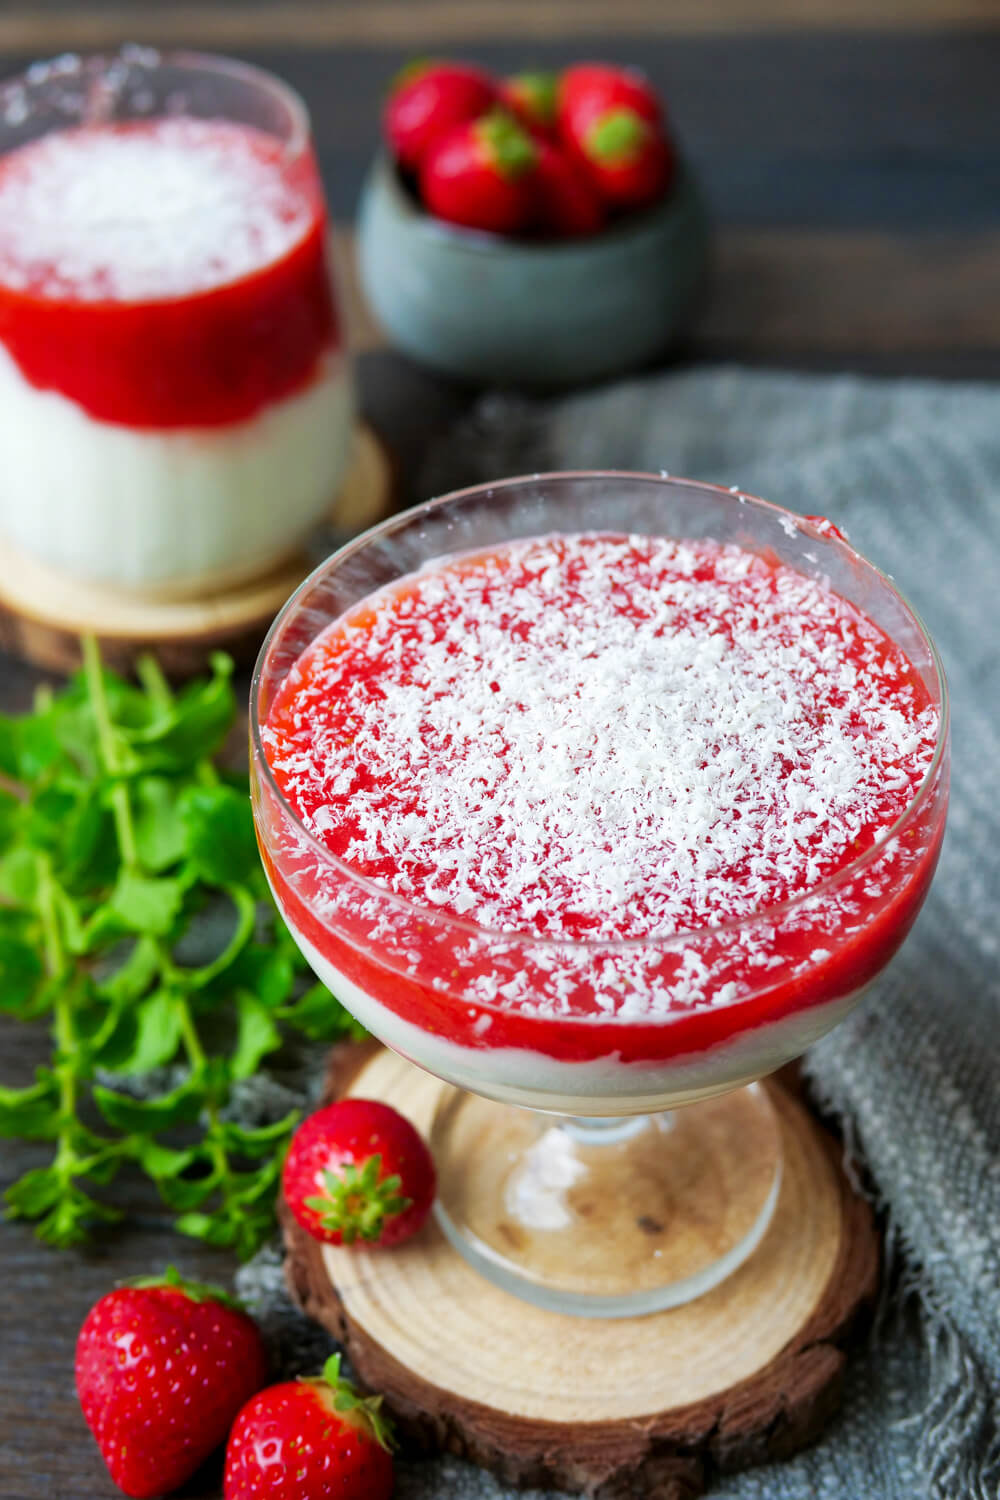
(163, 1161)
(146, 905)
(20, 875)
(160, 835)
(31, 1113)
(28, 746)
(266, 972)
(118, 843)
(257, 1035)
(21, 972)
(185, 1193)
(132, 977)
(321, 1017)
(34, 1193)
(148, 1116)
(194, 727)
(147, 1036)
(221, 843)
(260, 1140)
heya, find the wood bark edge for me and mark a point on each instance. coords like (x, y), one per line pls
(667, 1455)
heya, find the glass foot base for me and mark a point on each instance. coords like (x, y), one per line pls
(607, 1217)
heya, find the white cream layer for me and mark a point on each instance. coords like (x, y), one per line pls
(175, 509)
(606, 1086)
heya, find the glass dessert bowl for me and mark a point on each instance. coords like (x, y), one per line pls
(175, 399)
(597, 795)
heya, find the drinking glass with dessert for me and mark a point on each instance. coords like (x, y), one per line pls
(175, 400)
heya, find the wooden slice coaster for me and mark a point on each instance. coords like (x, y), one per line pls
(648, 1406)
(43, 612)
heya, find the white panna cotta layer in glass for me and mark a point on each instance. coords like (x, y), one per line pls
(176, 509)
(604, 1086)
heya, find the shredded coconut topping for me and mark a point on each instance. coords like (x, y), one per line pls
(601, 737)
(145, 210)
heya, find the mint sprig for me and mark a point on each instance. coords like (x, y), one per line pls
(119, 834)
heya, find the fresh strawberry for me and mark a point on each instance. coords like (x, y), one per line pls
(532, 98)
(481, 175)
(357, 1170)
(427, 100)
(588, 90)
(312, 1439)
(629, 161)
(162, 1367)
(567, 203)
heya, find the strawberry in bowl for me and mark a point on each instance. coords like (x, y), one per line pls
(548, 236)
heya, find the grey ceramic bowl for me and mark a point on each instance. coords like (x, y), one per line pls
(518, 312)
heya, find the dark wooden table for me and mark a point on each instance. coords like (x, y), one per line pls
(850, 150)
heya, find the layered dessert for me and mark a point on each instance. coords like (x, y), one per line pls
(174, 401)
(617, 819)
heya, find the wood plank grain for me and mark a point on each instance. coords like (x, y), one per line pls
(786, 292)
(842, 131)
(395, 23)
(792, 292)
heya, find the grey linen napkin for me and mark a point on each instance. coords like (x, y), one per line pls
(911, 470)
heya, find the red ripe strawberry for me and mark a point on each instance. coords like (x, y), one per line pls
(357, 1170)
(628, 159)
(532, 98)
(567, 203)
(588, 90)
(427, 100)
(162, 1368)
(481, 175)
(311, 1439)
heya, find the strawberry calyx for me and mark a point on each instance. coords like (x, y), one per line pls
(197, 1291)
(509, 148)
(617, 137)
(536, 92)
(357, 1202)
(345, 1398)
(409, 73)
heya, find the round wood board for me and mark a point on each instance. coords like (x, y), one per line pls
(43, 612)
(648, 1406)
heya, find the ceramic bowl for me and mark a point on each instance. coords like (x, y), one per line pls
(543, 314)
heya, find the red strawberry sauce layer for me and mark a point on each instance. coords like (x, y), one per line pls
(580, 741)
(169, 273)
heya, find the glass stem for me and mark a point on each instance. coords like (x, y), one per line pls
(610, 1130)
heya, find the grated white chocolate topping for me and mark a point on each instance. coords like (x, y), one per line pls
(145, 211)
(602, 737)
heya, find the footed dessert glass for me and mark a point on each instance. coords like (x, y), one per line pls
(569, 1172)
